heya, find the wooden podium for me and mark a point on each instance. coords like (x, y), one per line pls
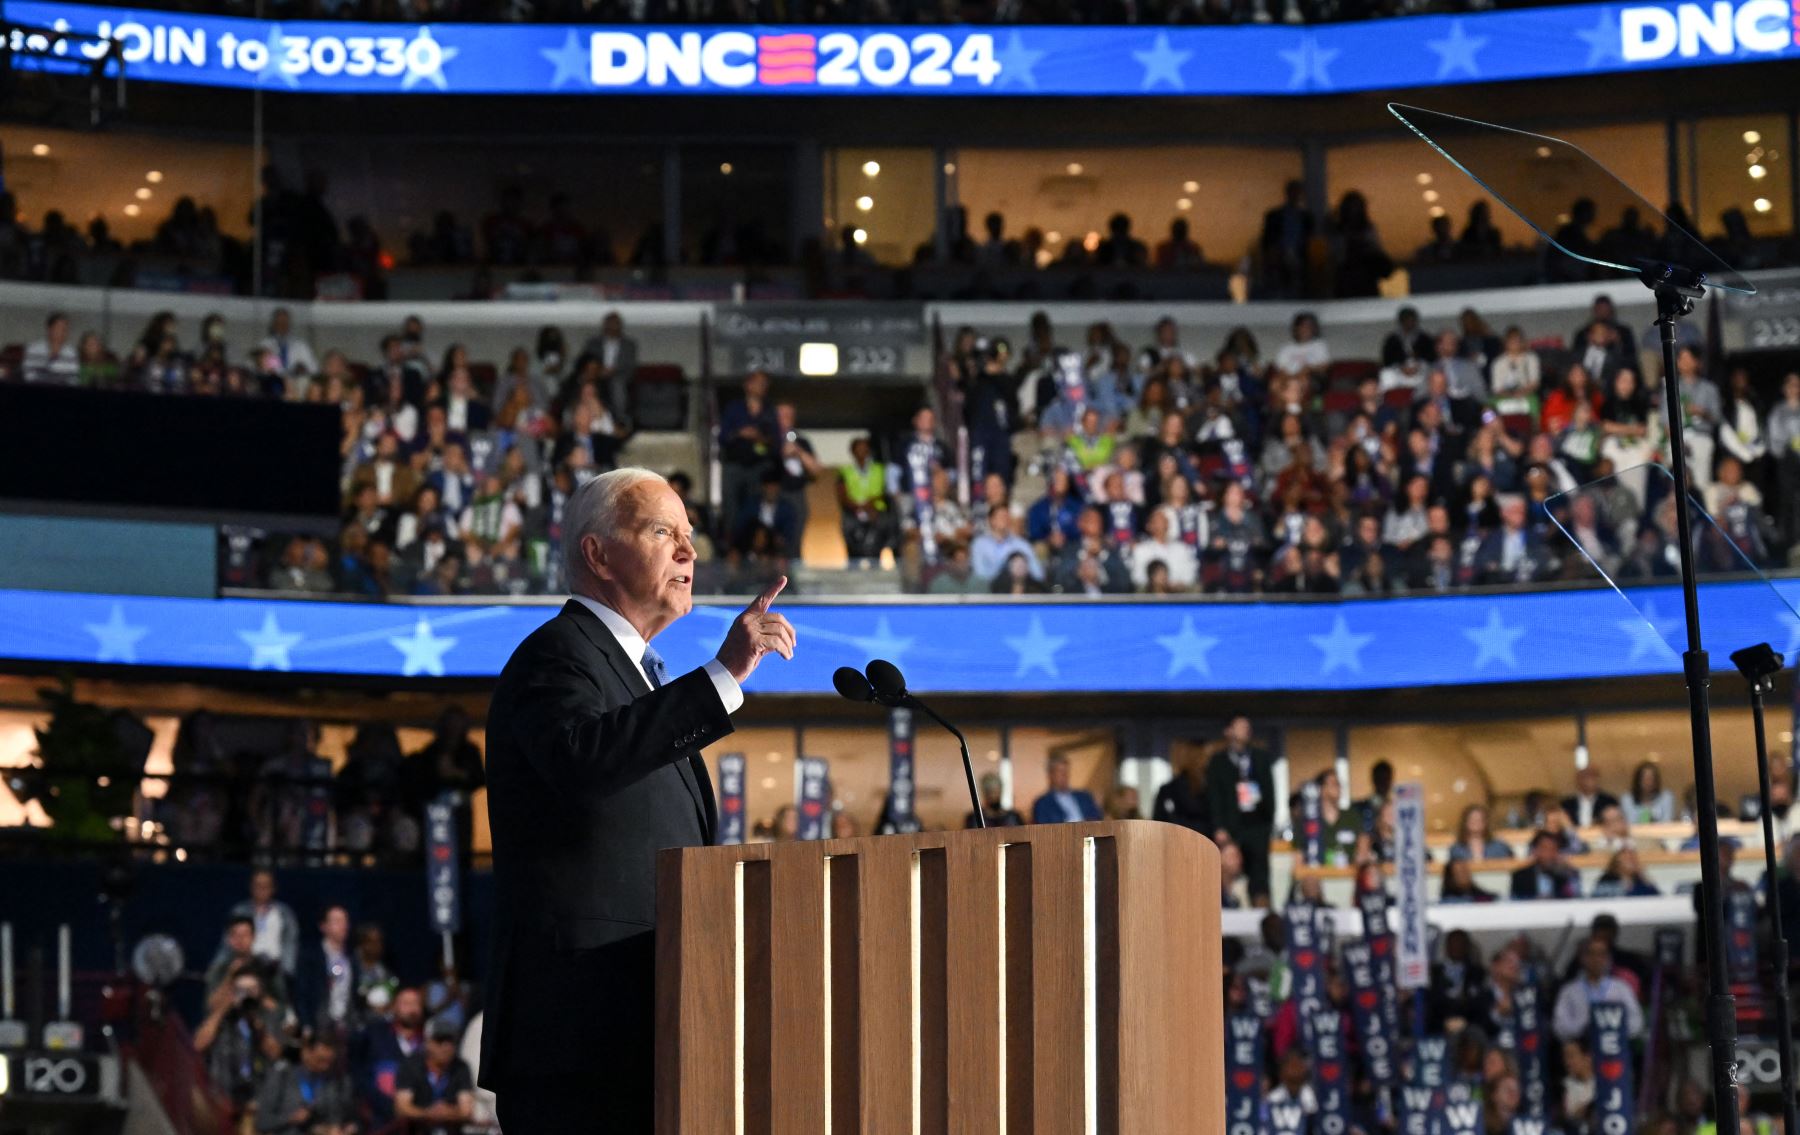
(1051, 979)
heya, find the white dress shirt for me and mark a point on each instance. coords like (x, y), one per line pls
(730, 693)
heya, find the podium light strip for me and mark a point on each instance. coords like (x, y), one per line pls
(1090, 956)
(737, 999)
(918, 1009)
(1000, 971)
(825, 1004)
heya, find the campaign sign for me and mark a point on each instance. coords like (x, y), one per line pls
(1412, 951)
(1528, 1028)
(903, 813)
(1366, 1016)
(1243, 1074)
(1262, 1001)
(731, 799)
(1422, 1096)
(1378, 931)
(1670, 944)
(1614, 1106)
(1461, 1117)
(1306, 962)
(1330, 1074)
(1740, 933)
(815, 798)
(443, 878)
(1312, 825)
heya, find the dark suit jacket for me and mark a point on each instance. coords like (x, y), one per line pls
(1602, 801)
(1222, 795)
(590, 773)
(312, 984)
(1524, 884)
(280, 1096)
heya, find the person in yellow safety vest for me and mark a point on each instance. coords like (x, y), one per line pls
(1089, 446)
(862, 494)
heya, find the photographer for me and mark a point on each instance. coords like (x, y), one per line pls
(238, 955)
(246, 1030)
(307, 1096)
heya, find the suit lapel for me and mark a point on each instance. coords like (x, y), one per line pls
(609, 648)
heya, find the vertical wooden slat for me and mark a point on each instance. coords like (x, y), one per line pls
(933, 914)
(1021, 1005)
(972, 986)
(1058, 972)
(695, 978)
(797, 911)
(1106, 978)
(887, 1026)
(758, 1041)
(844, 872)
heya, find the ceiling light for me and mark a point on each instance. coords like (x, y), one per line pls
(1190, 187)
(41, 150)
(153, 176)
(949, 169)
(865, 203)
(1423, 179)
(1437, 210)
(725, 168)
(1752, 137)
(1074, 169)
(143, 193)
(1431, 195)
(871, 169)
(1757, 172)
(1762, 204)
(132, 210)
(1543, 151)
(1053, 237)
(1184, 204)
(861, 236)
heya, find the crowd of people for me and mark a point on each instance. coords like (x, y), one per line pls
(1437, 461)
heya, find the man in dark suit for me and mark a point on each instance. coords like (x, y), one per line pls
(593, 766)
(327, 976)
(1590, 799)
(1546, 876)
(1240, 792)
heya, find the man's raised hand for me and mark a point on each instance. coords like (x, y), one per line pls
(756, 632)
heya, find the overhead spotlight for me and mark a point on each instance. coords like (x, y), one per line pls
(1423, 179)
(1184, 204)
(1074, 169)
(865, 203)
(40, 150)
(143, 193)
(871, 169)
(861, 236)
(1437, 210)
(725, 168)
(132, 210)
(1543, 151)
(1762, 204)
(153, 176)
(949, 169)
(1190, 187)
(1053, 237)
(1757, 172)
(1752, 137)
(1431, 195)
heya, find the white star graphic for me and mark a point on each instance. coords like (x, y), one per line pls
(1188, 649)
(425, 59)
(571, 60)
(1340, 647)
(118, 639)
(277, 52)
(1036, 650)
(884, 643)
(1649, 634)
(1494, 641)
(1456, 52)
(269, 645)
(1016, 62)
(1309, 62)
(424, 652)
(1602, 40)
(1162, 63)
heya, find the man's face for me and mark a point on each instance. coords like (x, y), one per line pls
(409, 1009)
(1238, 732)
(646, 566)
(924, 423)
(440, 1050)
(240, 938)
(1059, 776)
(1588, 780)
(757, 385)
(1596, 960)
(59, 330)
(784, 416)
(1545, 852)
(262, 887)
(280, 322)
(318, 1058)
(335, 926)
(1090, 524)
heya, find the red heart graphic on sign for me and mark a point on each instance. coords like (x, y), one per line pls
(1529, 1042)
(1368, 998)
(1330, 1071)
(1304, 959)
(1381, 947)
(1244, 1079)
(1612, 1069)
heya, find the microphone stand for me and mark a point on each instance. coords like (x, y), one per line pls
(962, 742)
(1759, 664)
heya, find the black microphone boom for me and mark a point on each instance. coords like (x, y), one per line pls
(888, 686)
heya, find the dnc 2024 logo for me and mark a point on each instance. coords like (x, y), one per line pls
(742, 59)
(1720, 28)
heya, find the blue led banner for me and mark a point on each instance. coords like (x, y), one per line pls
(949, 647)
(1420, 51)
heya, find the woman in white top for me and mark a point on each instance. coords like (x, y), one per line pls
(1308, 353)
(1158, 546)
(1515, 376)
(1741, 431)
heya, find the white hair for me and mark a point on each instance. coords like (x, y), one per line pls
(593, 510)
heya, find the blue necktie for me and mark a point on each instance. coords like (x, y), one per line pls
(654, 668)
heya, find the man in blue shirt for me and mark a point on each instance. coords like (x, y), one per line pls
(1061, 804)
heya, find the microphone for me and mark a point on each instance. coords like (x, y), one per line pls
(852, 685)
(885, 684)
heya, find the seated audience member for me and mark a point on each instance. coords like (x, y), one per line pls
(53, 358)
(1473, 840)
(1460, 886)
(1624, 877)
(1546, 876)
(1060, 802)
(1589, 800)
(1456, 982)
(1595, 986)
(435, 1091)
(382, 1048)
(308, 1096)
(993, 808)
